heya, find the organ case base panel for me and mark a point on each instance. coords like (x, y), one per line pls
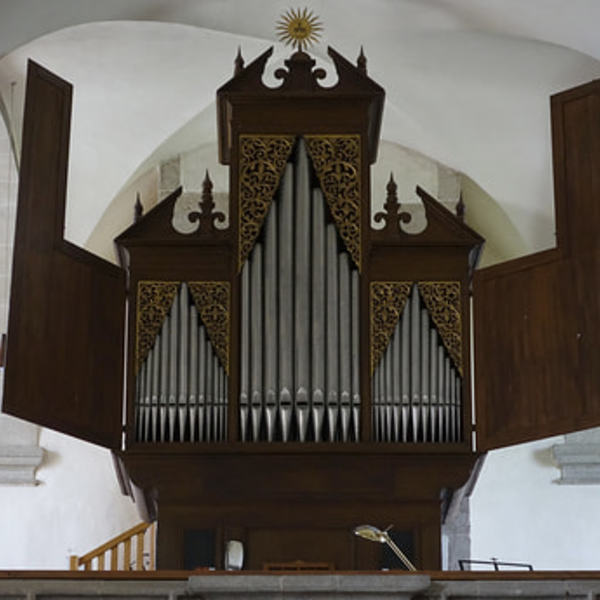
(243, 495)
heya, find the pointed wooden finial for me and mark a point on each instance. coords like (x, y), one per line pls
(391, 214)
(460, 208)
(391, 188)
(207, 203)
(138, 209)
(238, 62)
(361, 61)
(391, 205)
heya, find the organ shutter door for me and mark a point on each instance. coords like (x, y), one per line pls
(537, 318)
(64, 366)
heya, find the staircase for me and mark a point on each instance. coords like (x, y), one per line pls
(132, 550)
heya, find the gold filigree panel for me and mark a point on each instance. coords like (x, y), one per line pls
(387, 301)
(212, 299)
(443, 301)
(336, 160)
(262, 160)
(154, 300)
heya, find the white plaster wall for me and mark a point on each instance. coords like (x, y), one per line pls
(75, 507)
(520, 514)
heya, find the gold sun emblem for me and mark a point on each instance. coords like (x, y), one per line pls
(299, 27)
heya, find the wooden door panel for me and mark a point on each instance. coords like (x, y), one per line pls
(64, 365)
(526, 354)
(537, 318)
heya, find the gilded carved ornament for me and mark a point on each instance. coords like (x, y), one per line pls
(212, 301)
(443, 301)
(262, 160)
(387, 301)
(154, 301)
(336, 160)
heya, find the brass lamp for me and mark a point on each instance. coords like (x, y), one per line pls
(373, 534)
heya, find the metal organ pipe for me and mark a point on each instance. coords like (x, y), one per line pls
(202, 382)
(302, 289)
(405, 362)
(318, 313)
(286, 301)
(256, 339)
(302, 294)
(155, 371)
(193, 366)
(184, 357)
(433, 354)
(415, 354)
(388, 398)
(244, 352)
(181, 381)
(355, 356)
(425, 327)
(416, 387)
(332, 343)
(270, 348)
(396, 360)
(345, 341)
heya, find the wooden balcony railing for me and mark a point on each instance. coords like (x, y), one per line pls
(133, 550)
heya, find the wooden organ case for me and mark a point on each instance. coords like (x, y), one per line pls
(316, 337)
(293, 370)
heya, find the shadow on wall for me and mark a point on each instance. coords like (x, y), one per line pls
(485, 215)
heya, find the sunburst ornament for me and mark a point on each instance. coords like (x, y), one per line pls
(301, 28)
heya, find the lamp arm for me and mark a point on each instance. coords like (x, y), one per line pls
(398, 552)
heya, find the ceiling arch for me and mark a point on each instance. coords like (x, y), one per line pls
(468, 93)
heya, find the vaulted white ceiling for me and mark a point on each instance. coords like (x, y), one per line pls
(467, 82)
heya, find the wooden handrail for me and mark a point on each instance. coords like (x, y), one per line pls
(135, 536)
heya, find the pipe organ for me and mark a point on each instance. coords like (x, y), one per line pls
(306, 367)
(302, 370)
(329, 330)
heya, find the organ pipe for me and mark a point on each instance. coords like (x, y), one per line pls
(318, 309)
(302, 290)
(256, 339)
(416, 388)
(286, 302)
(202, 350)
(355, 356)
(345, 353)
(193, 365)
(270, 301)
(244, 352)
